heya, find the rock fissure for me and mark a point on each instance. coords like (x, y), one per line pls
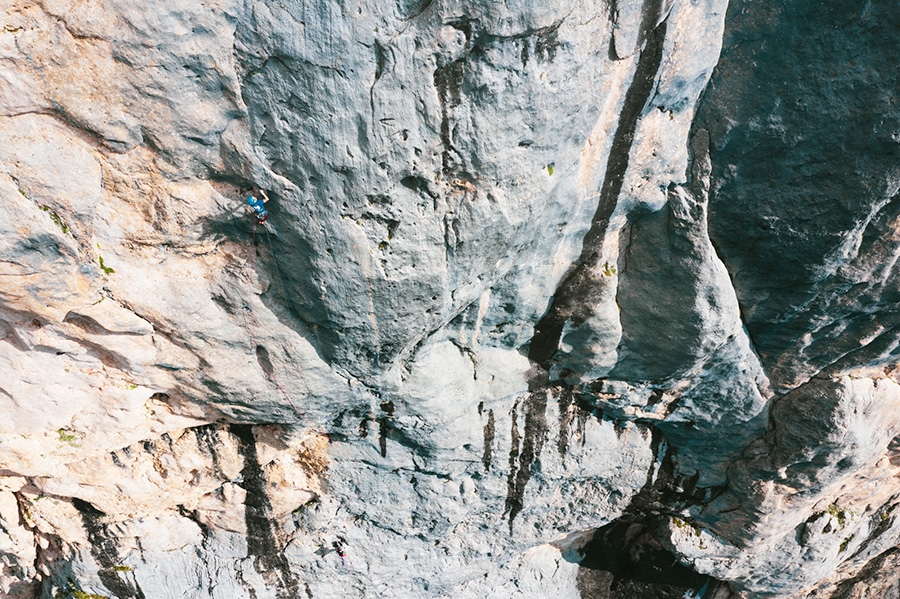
(576, 288)
(264, 541)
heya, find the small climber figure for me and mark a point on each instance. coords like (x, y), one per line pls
(338, 546)
(259, 205)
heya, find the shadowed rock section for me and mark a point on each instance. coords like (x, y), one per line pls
(264, 542)
(104, 549)
(803, 205)
(625, 561)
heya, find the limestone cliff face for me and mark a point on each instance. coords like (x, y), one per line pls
(554, 300)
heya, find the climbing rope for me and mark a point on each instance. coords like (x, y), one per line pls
(252, 322)
(277, 268)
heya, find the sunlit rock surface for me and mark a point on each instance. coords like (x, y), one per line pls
(580, 300)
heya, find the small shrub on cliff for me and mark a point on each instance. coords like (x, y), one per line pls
(67, 436)
(106, 269)
(76, 593)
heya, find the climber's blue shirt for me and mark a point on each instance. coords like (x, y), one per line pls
(256, 204)
(258, 207)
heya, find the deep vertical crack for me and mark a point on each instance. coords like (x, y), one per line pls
(578, 289)
(263, 538)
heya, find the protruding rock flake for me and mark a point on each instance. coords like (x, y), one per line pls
(587, 300)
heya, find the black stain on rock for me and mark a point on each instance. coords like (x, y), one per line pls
(208, 442)
(513, 461)
(546, 42)
(575, 296)
(489, 431)
(567, 412)
(448, 82)
(105, 552)
(263, 533)
(542, 43)
(449, 79)
(535, 406)
(384, 426)
(382, 436)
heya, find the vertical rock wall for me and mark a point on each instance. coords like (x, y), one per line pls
(529, 317)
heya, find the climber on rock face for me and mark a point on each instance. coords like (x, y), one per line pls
(258, 205)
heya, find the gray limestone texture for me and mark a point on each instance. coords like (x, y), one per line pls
(578, 300)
